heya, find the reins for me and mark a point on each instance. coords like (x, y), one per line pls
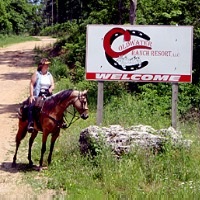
(72, 119)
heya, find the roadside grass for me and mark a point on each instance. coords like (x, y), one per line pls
(6, 40)
(141, 174)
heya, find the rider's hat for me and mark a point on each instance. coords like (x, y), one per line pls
(44, 61)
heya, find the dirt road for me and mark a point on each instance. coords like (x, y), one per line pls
(16, 68)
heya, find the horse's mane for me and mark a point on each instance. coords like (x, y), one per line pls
(57, 98)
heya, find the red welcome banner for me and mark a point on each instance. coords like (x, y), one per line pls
(138, 77)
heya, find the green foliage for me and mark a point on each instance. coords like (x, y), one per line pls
(5, 24)
(128, 110)
(12, 39)
(157, 97)
(189, 101)
(19, 17)
(161, 12)
(59, 69)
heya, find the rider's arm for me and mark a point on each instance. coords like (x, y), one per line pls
(52, 85)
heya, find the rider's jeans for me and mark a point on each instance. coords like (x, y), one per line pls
(30, 113)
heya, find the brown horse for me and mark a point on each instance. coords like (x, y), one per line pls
(49, 120)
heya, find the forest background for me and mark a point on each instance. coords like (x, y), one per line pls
(125, 103)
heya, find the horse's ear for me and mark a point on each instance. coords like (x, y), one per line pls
(85, 92)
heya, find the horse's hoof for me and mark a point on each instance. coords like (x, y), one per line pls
(30, 164)
(14, 165)
(40, 169)
(44, 168)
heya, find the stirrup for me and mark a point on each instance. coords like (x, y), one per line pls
(30, 128)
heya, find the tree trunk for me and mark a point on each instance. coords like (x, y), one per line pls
(133, 6)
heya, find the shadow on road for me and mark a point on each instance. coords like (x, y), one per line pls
(9, 108)
(15, 76)
(17, 58)
(20, 167)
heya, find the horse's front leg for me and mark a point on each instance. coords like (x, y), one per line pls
(31, 140)
(53, 140)
(44, 140)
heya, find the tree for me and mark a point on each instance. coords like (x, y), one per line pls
(133, 6)
(18, 16)
(5, 24)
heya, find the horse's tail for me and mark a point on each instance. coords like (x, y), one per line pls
(22, 111)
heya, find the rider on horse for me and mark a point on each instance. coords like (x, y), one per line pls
(41, 84)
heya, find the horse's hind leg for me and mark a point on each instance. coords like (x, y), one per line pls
(21, 133)
(31, 140)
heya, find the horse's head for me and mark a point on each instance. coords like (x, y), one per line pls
(81, 105)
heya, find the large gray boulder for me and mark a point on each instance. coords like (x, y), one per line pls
(122, 140)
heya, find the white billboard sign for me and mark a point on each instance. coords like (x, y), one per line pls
(139, 53)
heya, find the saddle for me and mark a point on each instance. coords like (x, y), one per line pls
(23, 109)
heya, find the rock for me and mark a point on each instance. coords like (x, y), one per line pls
(122, 140)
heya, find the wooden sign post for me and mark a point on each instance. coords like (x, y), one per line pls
(100, 103)
(174, 104)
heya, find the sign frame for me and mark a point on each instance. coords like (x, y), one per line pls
(112, 52)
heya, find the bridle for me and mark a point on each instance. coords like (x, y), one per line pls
(82, 98)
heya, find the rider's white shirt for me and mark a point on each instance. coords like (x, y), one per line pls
(45, 82)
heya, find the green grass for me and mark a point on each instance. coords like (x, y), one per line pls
(174, 174)
(6, 40)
